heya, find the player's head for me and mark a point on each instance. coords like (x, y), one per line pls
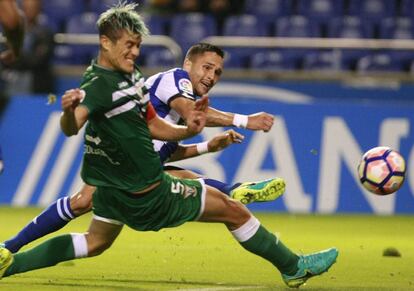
(121, 30)
(204, 64)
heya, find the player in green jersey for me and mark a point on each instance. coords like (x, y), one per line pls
(172, 94)
(132, 188)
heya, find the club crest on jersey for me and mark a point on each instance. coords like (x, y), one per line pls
(185, 86)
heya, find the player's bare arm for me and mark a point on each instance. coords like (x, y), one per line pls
(196, 120)
(73, 116)
(258, 121)
(164, 130)
(217, 143)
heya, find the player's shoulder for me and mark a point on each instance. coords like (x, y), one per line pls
(95, 81)
(172, 75)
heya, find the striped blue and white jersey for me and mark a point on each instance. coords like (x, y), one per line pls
(163, 88)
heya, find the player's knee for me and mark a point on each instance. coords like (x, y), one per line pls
(81, 203)
(97, 246)
(238, 214)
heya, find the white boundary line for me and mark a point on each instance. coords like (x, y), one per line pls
(223, 288)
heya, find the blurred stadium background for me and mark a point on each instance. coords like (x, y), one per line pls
(337, 74)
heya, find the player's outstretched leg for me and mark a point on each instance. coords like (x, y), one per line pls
(96, 240)
(49, 253)
(248, 192)
(53, 218)
(256, 239)
(311, 265)
(260, 191)
(56, 216)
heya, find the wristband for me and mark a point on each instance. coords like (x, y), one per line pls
(202, 147)
(240, 120)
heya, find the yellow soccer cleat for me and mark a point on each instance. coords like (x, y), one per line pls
(261, 191)
(6, 259)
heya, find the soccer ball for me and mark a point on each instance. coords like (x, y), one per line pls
(381, 170)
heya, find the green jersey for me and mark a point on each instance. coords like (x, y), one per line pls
(118, 150)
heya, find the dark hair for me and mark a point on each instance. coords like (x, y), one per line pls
(201, 48)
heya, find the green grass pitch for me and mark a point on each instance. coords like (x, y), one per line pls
(205, 256)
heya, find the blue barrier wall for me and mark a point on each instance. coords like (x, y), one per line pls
(315, 145)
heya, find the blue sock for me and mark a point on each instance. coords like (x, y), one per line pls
(56, 216)
(223, 187)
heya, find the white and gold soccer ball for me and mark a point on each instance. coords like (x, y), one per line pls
(382, 170)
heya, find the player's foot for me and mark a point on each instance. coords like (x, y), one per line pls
(6, 259)
(311, 265)
(260, 191)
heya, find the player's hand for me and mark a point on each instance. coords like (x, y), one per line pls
(260, 121)
(196, 119)
(202, 104)
(71, 99)
(195, 122)
(223, 140)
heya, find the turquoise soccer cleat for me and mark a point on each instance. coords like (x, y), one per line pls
(260, 191)
(311, 265)
(6, 259)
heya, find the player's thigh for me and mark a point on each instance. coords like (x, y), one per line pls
(101, 235)
(218, 207)
(81, 202)
(183, 174)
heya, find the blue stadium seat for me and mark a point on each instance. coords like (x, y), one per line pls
(397, 28)
(297, 26)
(236, 57)
(350, 27)
(61, 10)
(321, 9)
(159, 57)
(275, 60)
(244, 25)
(323, 61)
(373, 10)
(268, 10)
(48, 22)
(99, 6)
(63, 54)
(380, 62)
(83, 23)
(406, 8)
(155, 23)
(350, 58)
(403, 57)
(188, 29)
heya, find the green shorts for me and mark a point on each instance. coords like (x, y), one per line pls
(174, 202)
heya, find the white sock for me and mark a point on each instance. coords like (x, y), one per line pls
(247, 230)
(80, 245)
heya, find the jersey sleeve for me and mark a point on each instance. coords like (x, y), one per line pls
(95, 98)
(172, 85)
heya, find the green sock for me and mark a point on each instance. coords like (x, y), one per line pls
(265, 244)
(49, 253)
